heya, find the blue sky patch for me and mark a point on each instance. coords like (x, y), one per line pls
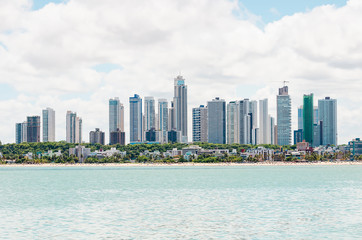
(274, 10)
(268, 10)
(107, 67)
(7, 91)
(247, 90)
(38, 4)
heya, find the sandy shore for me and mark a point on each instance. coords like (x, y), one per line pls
(267, 163)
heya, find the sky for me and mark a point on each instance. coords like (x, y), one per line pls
(76, 54)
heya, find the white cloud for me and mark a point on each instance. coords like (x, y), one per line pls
(215, 44)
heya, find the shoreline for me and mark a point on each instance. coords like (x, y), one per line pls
(269, 163)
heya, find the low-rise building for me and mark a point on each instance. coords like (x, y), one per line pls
(303, 146)
(192, 149)
(107, 153)
(154, 154)
(261, 152)
(50, 153)
(81, 152)
(172, 153)
(29, 155)
(355, 147)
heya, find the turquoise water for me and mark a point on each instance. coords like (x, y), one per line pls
(242, 202)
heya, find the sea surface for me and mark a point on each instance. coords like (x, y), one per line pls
(231, 202)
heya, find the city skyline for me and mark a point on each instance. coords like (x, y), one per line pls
(234, 122)
(230, 54)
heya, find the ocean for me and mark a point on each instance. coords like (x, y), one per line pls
(173, 202)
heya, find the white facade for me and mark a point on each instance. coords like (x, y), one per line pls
(162, 120)
(180, 107)
(149, 114)
(48, 125)
(232, 123)
(73, 128)
(116, 116)
(284, 117)
(199, 124)
(264, 122)
(243, 121)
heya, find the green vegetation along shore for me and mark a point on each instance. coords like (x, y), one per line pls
(135, 153)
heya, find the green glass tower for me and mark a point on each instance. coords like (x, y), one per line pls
(308, 118)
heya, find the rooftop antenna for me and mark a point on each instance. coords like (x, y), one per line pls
(285, 82)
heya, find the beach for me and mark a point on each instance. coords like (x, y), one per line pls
(187, 164)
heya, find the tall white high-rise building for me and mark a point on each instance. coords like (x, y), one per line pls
(284, 117)
(171, 117)
(264, 122)
(74, 128)
(116, 116)
(199, 124)
(149, 114)
(180, 107)
(253, 109)
(273, 134)
(253, 112)
(232, 123)
(162, 119)
(24, 134)
(244, 121)
(48, 125)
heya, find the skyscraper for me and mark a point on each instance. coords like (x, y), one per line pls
(264, 123)
(171, 117)
(328, 118)
(24, 130)
(71, 126)
(284, 117)
(96, 136)
(253, 112)
(253, 109)
(33, 129)
(118, 137)
(298, 136)
(216, 121)
(74, 128)
(135, 103)
(308, 118)
(300, 118)
(199, 124)
(232, 123)
(162, 119)
(48, 125)
(315, 115)
(149, 114)
(180, 106)
(116, 116)
(273, 134)
(18, 133)
(317, 135)
(243, 126)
